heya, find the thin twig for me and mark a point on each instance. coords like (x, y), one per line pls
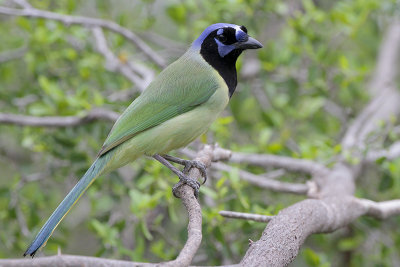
(22, 3)
(112, 62)
(287, 163)
(265, 182)
(245, 216)
(86, 21)
(12, 54)
(390, 153)
(58, 121)
(381, 210)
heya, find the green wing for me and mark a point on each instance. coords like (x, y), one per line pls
(185, 84)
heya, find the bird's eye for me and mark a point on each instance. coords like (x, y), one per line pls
(222, 38)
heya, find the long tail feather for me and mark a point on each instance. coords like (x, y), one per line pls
(65, 206)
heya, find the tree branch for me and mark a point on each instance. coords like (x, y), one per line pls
(390, 153)
(70, 261)
(206, 156)
(12, 54)
(386, 97)
(381, 210)
(58, 121)
(91, 22)
(113, 63)
(287, 163)
(265, 182)
(336, 206)
(245, 216)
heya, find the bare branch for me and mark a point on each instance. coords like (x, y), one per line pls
(381, 210)
(294, 224)
(22, 102)
(336, 206)
(386, 97)
(265, 182)
(70, 261)
(206, 156)
(113, 63)
(245, 216)
(287, 163)
(23, 3)
(387, 63)
(275, 174)
(90, 22)
(61, 121)
(287, 231)
(390, 153)
(121, 95)
(12, 54)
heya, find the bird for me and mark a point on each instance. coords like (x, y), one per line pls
(178, 106)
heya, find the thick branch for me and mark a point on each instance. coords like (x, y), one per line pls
(92, 22)
(58, 121)
(286, 232)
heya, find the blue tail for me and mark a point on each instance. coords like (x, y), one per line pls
(73, 196)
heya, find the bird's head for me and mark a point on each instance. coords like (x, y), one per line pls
(220, 45)
(225, 40)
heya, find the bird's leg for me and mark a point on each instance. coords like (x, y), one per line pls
(183, 179)
(188, 165)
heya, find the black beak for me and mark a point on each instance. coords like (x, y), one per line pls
(251, 43)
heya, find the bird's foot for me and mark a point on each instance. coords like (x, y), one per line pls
(183, 179)
(190, 182)
(197, 164)
(188, 164)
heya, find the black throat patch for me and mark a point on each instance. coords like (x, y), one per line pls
(226, 66)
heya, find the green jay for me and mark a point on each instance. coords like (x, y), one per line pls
(175, 109)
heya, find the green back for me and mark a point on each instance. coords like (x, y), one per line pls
(188, 82)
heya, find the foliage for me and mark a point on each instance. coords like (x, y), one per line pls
(316, 54)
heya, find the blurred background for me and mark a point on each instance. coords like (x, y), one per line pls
(295, 97)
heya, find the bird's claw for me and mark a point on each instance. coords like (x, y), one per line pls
(197, 164)
(190, 182)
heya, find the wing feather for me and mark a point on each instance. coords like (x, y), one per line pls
(185, 84)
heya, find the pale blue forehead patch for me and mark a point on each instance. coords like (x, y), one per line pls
(220, 31)
(241, 36)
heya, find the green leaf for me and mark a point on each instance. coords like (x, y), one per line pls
(311, 257)
(386, 182)
(348, 244)
(177, 13)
